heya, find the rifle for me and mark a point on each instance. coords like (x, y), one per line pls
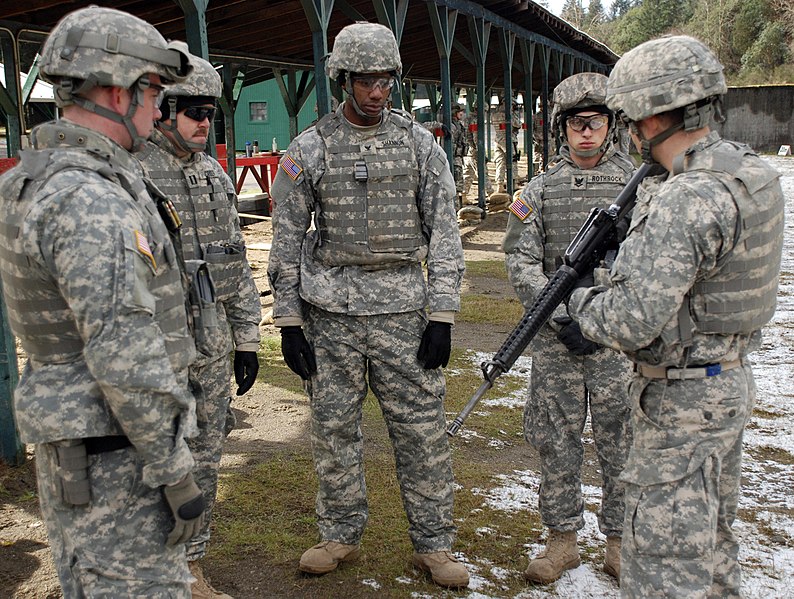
(585, 252)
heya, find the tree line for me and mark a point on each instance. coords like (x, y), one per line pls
(754, 39)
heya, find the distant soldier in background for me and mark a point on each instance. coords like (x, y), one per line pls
(500, 138)
(94, 292)
(210, 241)
(470, 176)
(459, 142)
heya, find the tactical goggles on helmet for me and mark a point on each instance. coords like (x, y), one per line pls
(199, 113)
(594, 123)
(384, 84)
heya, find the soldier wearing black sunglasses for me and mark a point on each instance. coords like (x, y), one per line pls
(210, 240)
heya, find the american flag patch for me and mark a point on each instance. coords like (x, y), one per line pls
(520, 209)
(290, 167)
(143, 247)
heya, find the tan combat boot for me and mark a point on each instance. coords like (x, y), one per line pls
(445, 570)
(202, 589)
(612, 557)
(561, 554)
(326, 556)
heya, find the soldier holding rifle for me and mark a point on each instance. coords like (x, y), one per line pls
(695, 281)
(571, 376)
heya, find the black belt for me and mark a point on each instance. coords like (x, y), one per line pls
(95, 445)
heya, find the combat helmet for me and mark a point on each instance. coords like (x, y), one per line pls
(579, 92)
(98, 46)
(203, 86)
(364, 48)
(663, 74)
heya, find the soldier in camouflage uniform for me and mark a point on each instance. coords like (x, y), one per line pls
(205, 199)
(500, 138)
(570, 375)
(94, 293)
(459, 143)
(383, 202)
(470, 162)
(694, 282)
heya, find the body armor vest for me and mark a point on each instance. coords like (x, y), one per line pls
(569, 194)
(367, 197)
(37, 312)
(739, 297)
(199, 195)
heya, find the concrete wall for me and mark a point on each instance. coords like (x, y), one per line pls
(760, 116)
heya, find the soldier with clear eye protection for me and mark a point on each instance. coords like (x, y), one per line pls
(94, 290)
(572, 378)
(350, 296)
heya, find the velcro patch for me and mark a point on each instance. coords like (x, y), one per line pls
(143, 247)
(520, 209)
(291, 167)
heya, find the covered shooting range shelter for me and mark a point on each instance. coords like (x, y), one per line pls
(509, 46)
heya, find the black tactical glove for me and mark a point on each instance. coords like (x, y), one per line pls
(446, 131)
(571, 337)
(187, 504)
(297, 352)
(246, 366)
(436, 345)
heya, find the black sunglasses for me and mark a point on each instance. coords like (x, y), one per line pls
(199, 113)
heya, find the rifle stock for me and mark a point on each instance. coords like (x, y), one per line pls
(583, 254)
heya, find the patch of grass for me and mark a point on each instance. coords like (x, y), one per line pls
(761, 413)
(267, 512)
(771, 454)
(272, 368)
(486, 268)
(486, 309)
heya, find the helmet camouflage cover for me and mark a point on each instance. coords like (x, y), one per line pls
(106, 47)
(364, 48)
(577, 91)
(204, 80)
(663, 74)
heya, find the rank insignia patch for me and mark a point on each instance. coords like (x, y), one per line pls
(520, 209)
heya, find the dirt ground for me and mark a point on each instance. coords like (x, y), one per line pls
(267, 418)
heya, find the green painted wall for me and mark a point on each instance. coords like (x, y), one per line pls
(277, 123)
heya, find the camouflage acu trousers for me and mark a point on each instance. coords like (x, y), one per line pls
(500, 165)
(470, 175)
(212, 402)
(114, 546)
(563, 388)
(351, 352)
(682, 486)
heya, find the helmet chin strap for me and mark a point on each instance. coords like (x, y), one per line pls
(647, 145)
(356, 107)
(178, 140)
(138, 141)
(696, 116)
